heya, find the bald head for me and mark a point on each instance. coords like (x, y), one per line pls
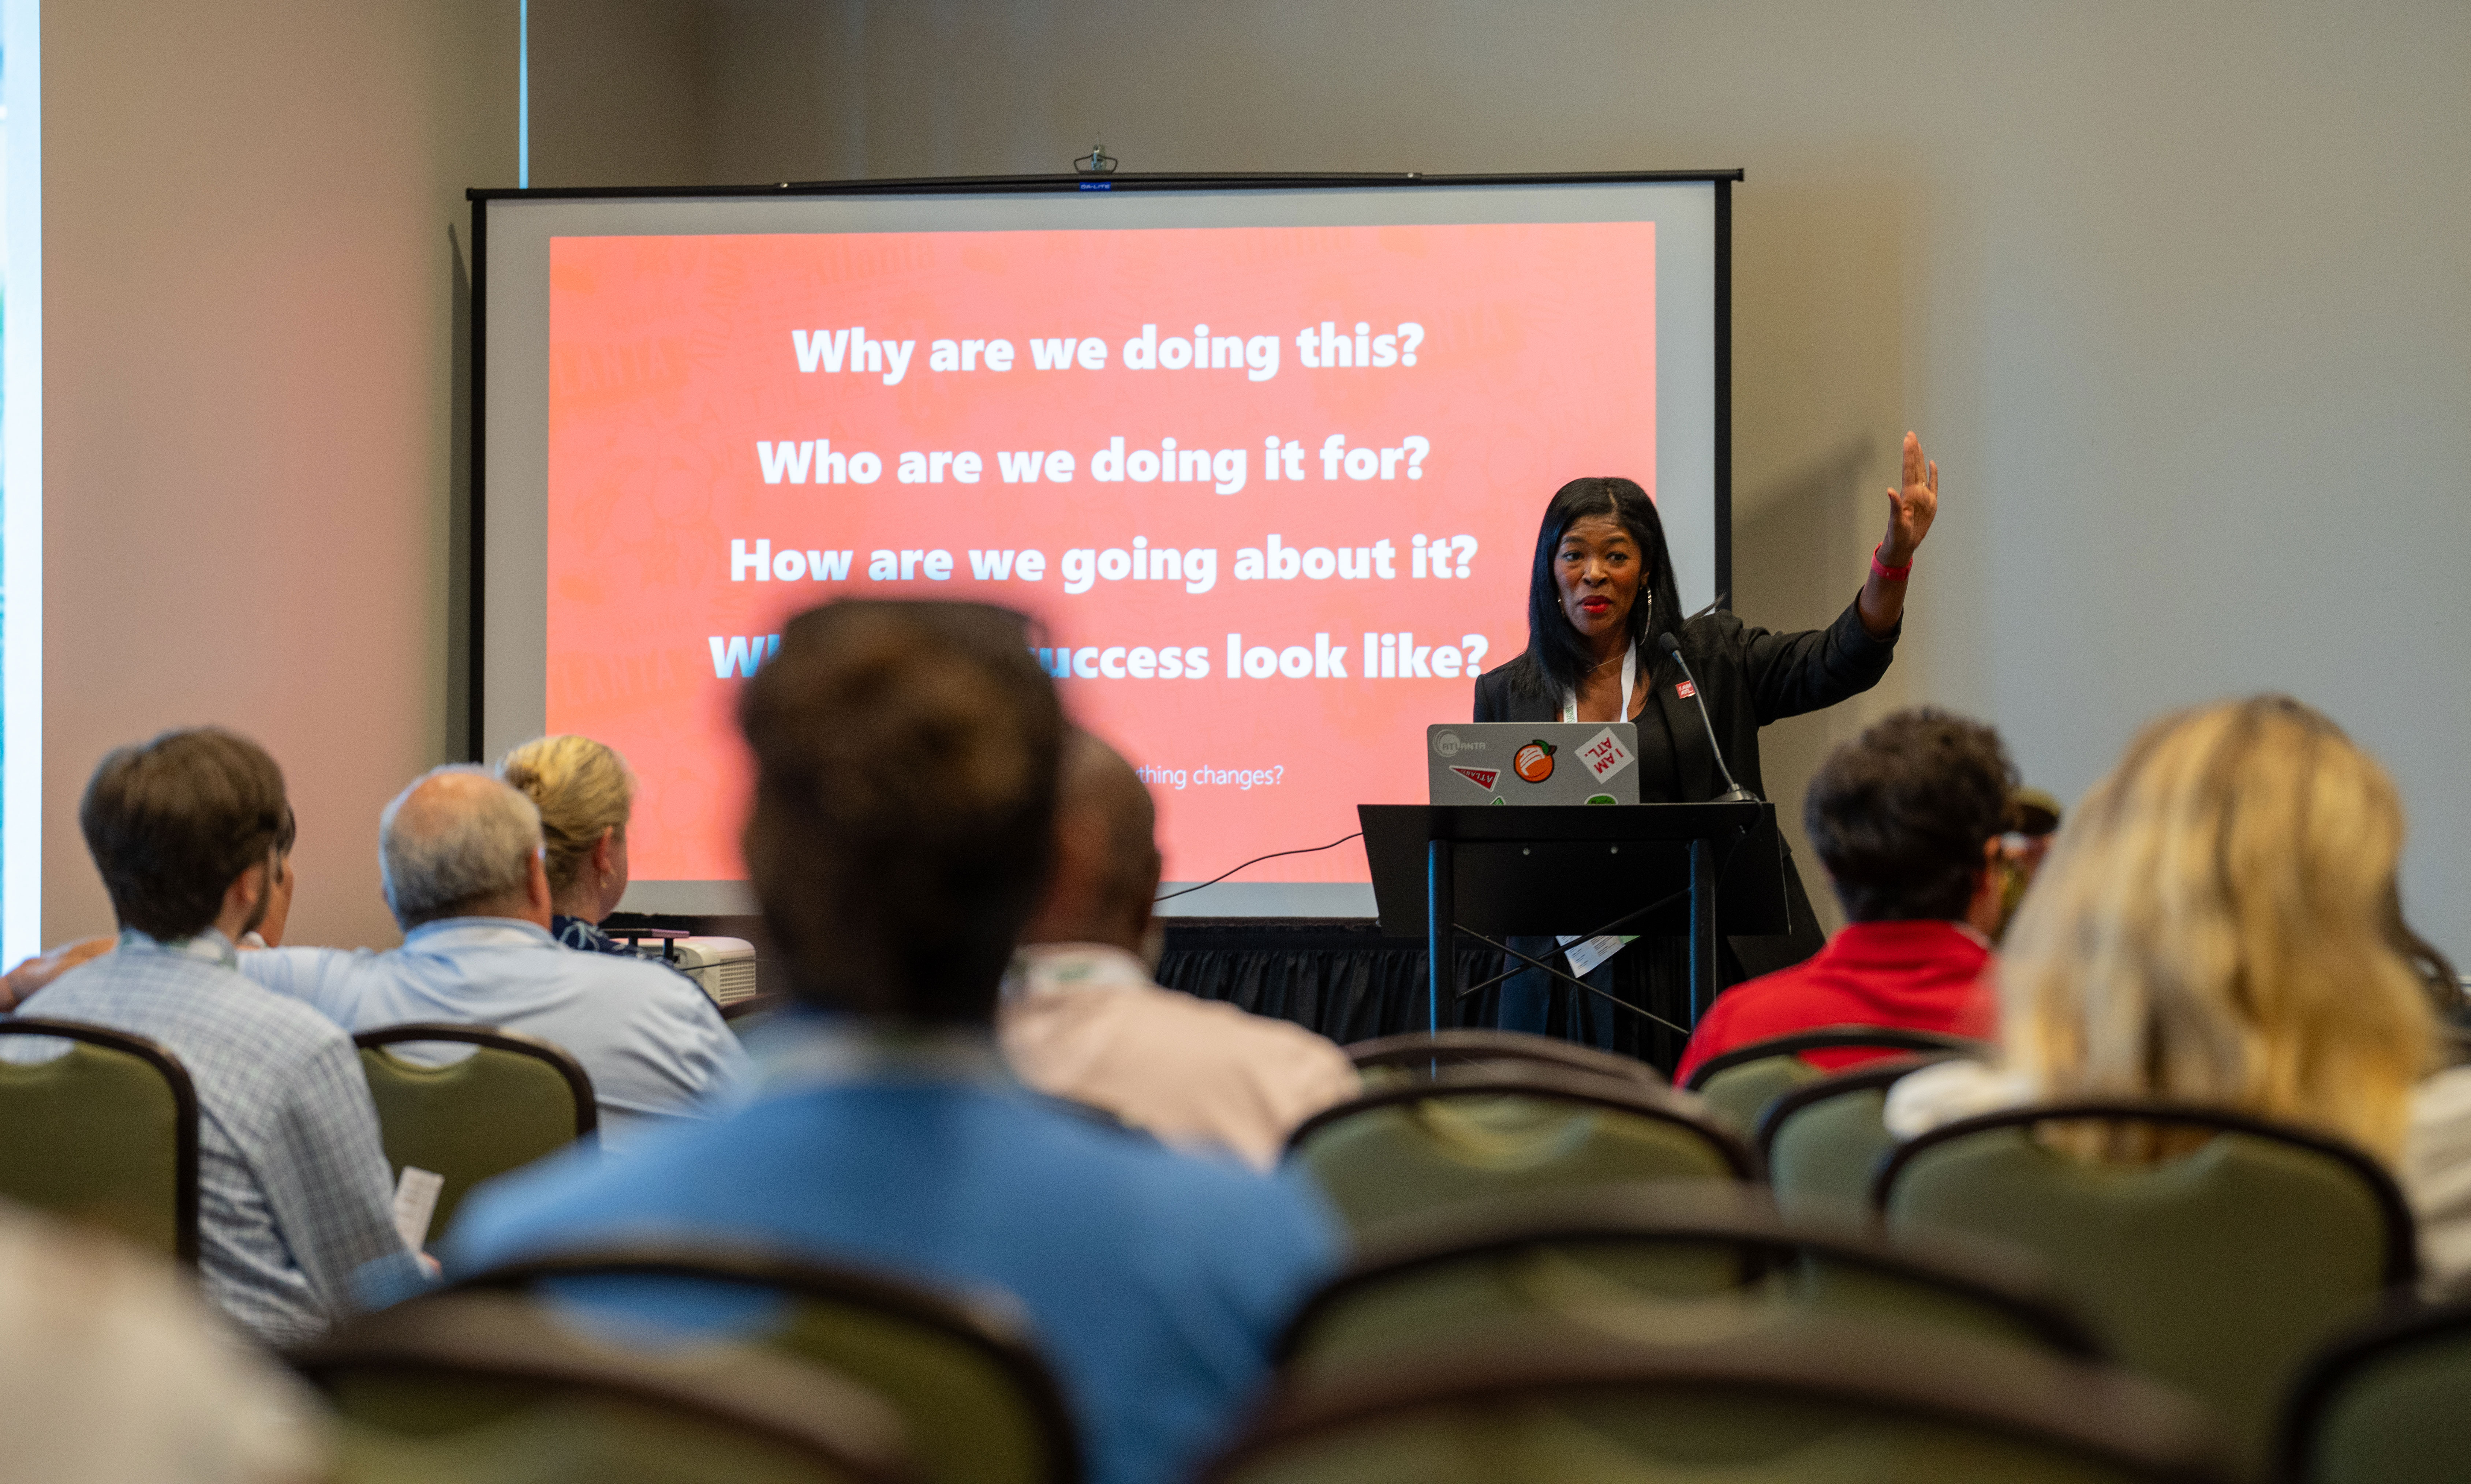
(1107, 860)
(460, 842)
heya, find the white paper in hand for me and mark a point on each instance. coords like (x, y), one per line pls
(415, 1204)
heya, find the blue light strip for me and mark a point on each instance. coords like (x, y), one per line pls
(524, 94)
(21, 512)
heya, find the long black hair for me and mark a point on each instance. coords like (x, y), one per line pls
(1557, 656)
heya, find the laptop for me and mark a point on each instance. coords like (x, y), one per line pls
(1533, 763)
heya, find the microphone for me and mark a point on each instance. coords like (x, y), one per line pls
(1735, 793)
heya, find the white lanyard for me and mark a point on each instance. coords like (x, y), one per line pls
(1630, 675)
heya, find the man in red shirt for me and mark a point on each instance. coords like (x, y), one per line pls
(1907, 819)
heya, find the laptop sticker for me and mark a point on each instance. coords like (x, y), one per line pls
(1604, 755)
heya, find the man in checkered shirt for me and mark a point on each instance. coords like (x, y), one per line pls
(296, 1210)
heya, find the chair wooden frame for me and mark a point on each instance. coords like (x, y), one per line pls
(1462, 1047)
(587, 1107)
(2400, 1264)
(824, 1417)
(985, 1328)
(2326, 1371)
(184, 1102)
(1832, 1038)
(1640, 1214)
(1556, 1084)
(2094, 1410)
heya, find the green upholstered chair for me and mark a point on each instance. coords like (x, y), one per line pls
(489, 1389)
(2215, 1271)
(106, 1133)
(1418, 1055)
(979, 1404)
(1821, 1144)
(1741, 1083)
(2384, 1403)
(1500, 1130)
(1656, 1261)
(1800, 1399)
(514, 1099)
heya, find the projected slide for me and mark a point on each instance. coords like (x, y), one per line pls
(1270, 493)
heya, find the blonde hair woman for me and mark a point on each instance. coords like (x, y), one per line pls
(584, 791)
(2218, 923)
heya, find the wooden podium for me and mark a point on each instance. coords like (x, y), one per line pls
(1671, 869)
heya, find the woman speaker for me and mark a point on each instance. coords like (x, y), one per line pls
(1600, 600)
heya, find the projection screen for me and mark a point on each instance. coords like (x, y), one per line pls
(1261, 458)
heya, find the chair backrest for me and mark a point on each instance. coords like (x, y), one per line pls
(489, 1389)
(1740, 1084)
(1640, 1260)
(2384, 1402)
(1821, 1144)
(514, 1099)
(2215, 1271)
(980, 1406)
(1490, 1131)
(106, 1133)
(1418, 1054)
(1804, 1400)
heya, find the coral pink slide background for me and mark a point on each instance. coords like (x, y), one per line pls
(672, 358)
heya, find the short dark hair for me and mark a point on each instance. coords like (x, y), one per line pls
(1557, 657)
(906, 762)
(1900, 813)
(172, 823)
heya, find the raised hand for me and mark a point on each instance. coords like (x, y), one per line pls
(1912, 508)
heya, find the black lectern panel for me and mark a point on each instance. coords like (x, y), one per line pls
(1544, 869)
(1540, 869)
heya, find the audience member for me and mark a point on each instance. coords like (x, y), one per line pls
(1081, 1018)
(296, 1225)
(2218, 923)
(1907, 817)
(268, 931)
(2033, 818)
(902, 826)
(49, 964)
(460, 858)
(110, 1371)
(585, 792)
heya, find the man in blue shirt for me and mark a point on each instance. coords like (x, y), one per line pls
(296, 1223)
(905, 801)
(459, 857)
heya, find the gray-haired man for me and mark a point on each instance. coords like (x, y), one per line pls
(459, 855)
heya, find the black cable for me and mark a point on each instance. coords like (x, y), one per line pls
(1256, 861)
(1641, 911)
(1579, 983)
(1722, 867)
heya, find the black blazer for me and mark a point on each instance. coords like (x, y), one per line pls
(1747, 677)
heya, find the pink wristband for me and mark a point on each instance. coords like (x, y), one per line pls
(1888, 574)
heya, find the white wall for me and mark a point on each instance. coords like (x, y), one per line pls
(250, 413)
(2176, 294)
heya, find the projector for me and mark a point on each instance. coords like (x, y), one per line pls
(724, 967)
